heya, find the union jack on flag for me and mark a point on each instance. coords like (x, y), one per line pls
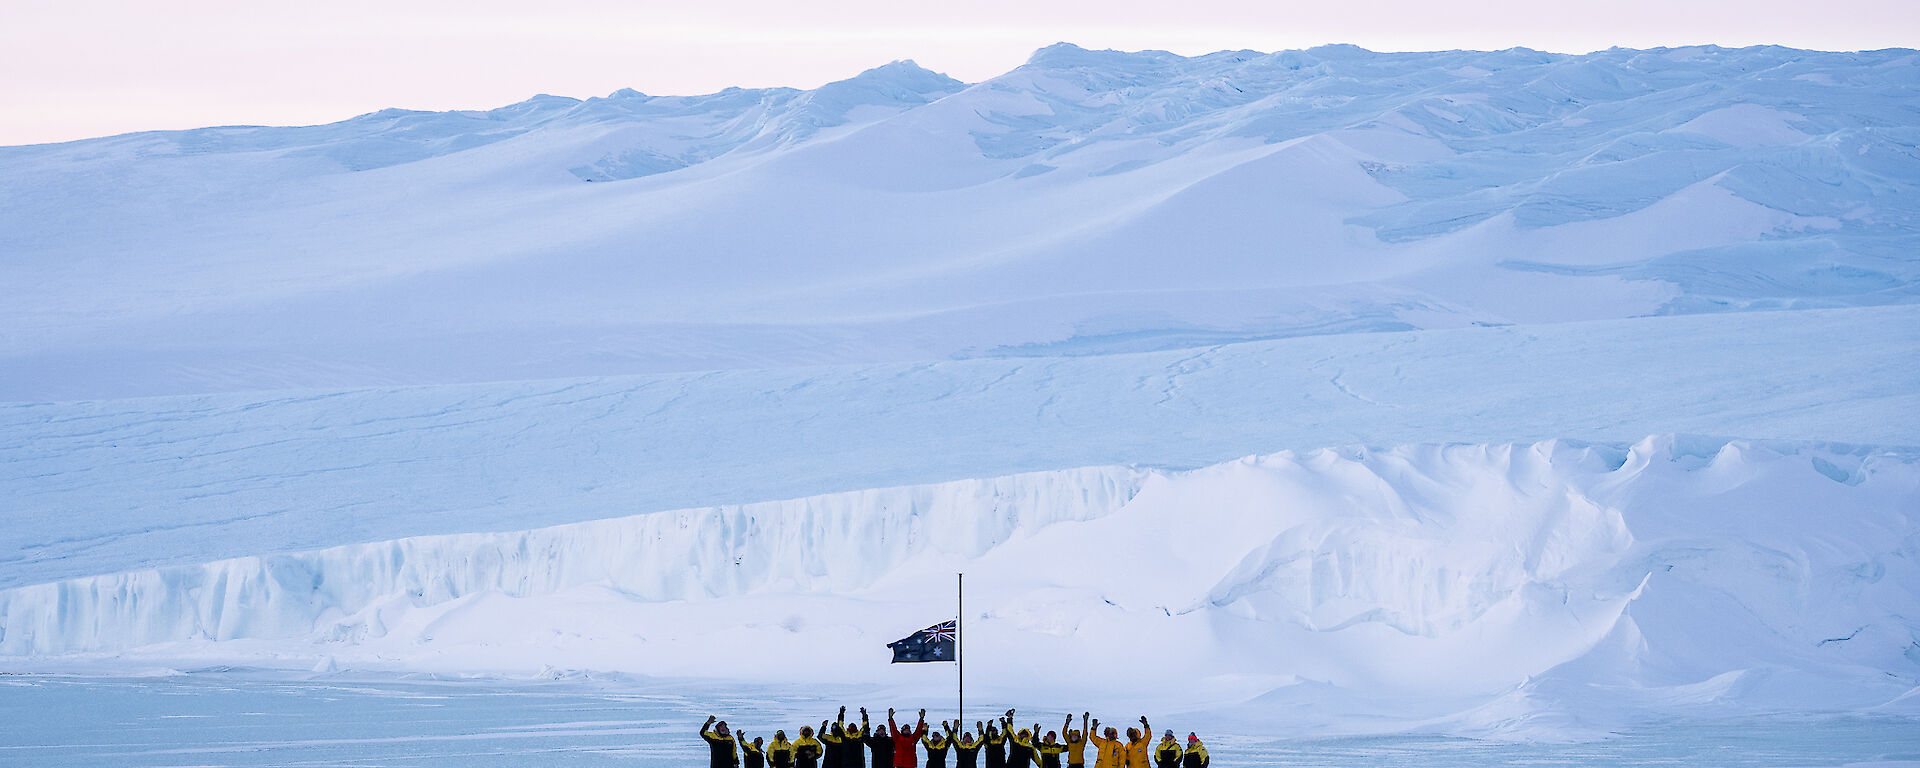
(935, 643)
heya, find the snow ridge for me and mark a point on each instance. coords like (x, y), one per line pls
(1450, 573)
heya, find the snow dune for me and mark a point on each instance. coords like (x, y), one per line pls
(1490, 584)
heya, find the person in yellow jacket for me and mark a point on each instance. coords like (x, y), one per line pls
(780, 751)
(1196, 753)
(807, 749)
(1076, 742)
(1112, 751)
(1167, 753)
(1139, 744)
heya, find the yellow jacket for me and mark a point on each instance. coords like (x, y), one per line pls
(808, 744)
(1112, 752)
(1137, 751)
(783, 749)
(1169, 750)
(1197, 755)
(1077, 751)
(1042, 748)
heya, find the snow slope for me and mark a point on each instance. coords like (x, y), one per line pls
(1086, 201)
(100, 487)
(1488, 585)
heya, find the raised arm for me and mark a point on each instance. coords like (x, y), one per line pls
(1083, 724)
(864, 727)
(892, 727)
(1146, 729)
(920, 728)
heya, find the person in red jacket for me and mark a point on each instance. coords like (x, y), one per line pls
(906, 744)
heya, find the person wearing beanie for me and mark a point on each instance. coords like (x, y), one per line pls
(753, 753)
(719, 743)
(1076, 742)
(1139, 744)
(780, 751)
(1196, 756)
(906, 744)
(1167, 754)
(1112, 751)
(937, 744)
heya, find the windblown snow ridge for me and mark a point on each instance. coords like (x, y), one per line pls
(837, 542)
(1676, 571)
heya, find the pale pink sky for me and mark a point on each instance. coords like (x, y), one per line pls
(77, 68)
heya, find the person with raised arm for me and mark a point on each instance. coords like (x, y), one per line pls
(780, 751)
(937, 744)
(719, 743)
(839, 747)
(996, 742)
(966, 751)
(807, 749)
(856, 741)
(753, 753)
(1048, 751)
(879, 744)
(1196, 753)
(1113, 752)
(906, 744)
(1019, 744)
(1139, 745)
(1076, 741)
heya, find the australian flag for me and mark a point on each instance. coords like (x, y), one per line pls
(934, 643)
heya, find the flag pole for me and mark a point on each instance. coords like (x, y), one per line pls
(959, 647)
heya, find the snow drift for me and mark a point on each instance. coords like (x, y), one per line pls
(1474, 581)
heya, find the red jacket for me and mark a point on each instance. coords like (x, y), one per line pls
(906, 744)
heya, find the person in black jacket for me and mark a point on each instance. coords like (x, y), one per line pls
(807, 749)
(966, 751)
(719, 743)
(937, 745)
(996, 745)
(856, 754)
(780, 751)
(834, 735)
(1020, 752)
(879, 744)
(754, 752)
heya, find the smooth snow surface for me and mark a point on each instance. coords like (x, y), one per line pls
(111, 486)
(1086, 201)
(243, 718)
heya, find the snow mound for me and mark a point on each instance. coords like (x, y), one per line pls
(1479, 584)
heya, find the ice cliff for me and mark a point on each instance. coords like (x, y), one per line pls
(1718, 575)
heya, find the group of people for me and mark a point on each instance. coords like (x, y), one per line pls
(840, 744)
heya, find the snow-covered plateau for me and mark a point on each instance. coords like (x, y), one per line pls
(1314, 393)
(1087, 201)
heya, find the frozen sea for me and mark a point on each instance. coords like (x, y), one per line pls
(246, 718)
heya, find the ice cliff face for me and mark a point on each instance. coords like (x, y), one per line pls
(1773, 576)
(1085, 201)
